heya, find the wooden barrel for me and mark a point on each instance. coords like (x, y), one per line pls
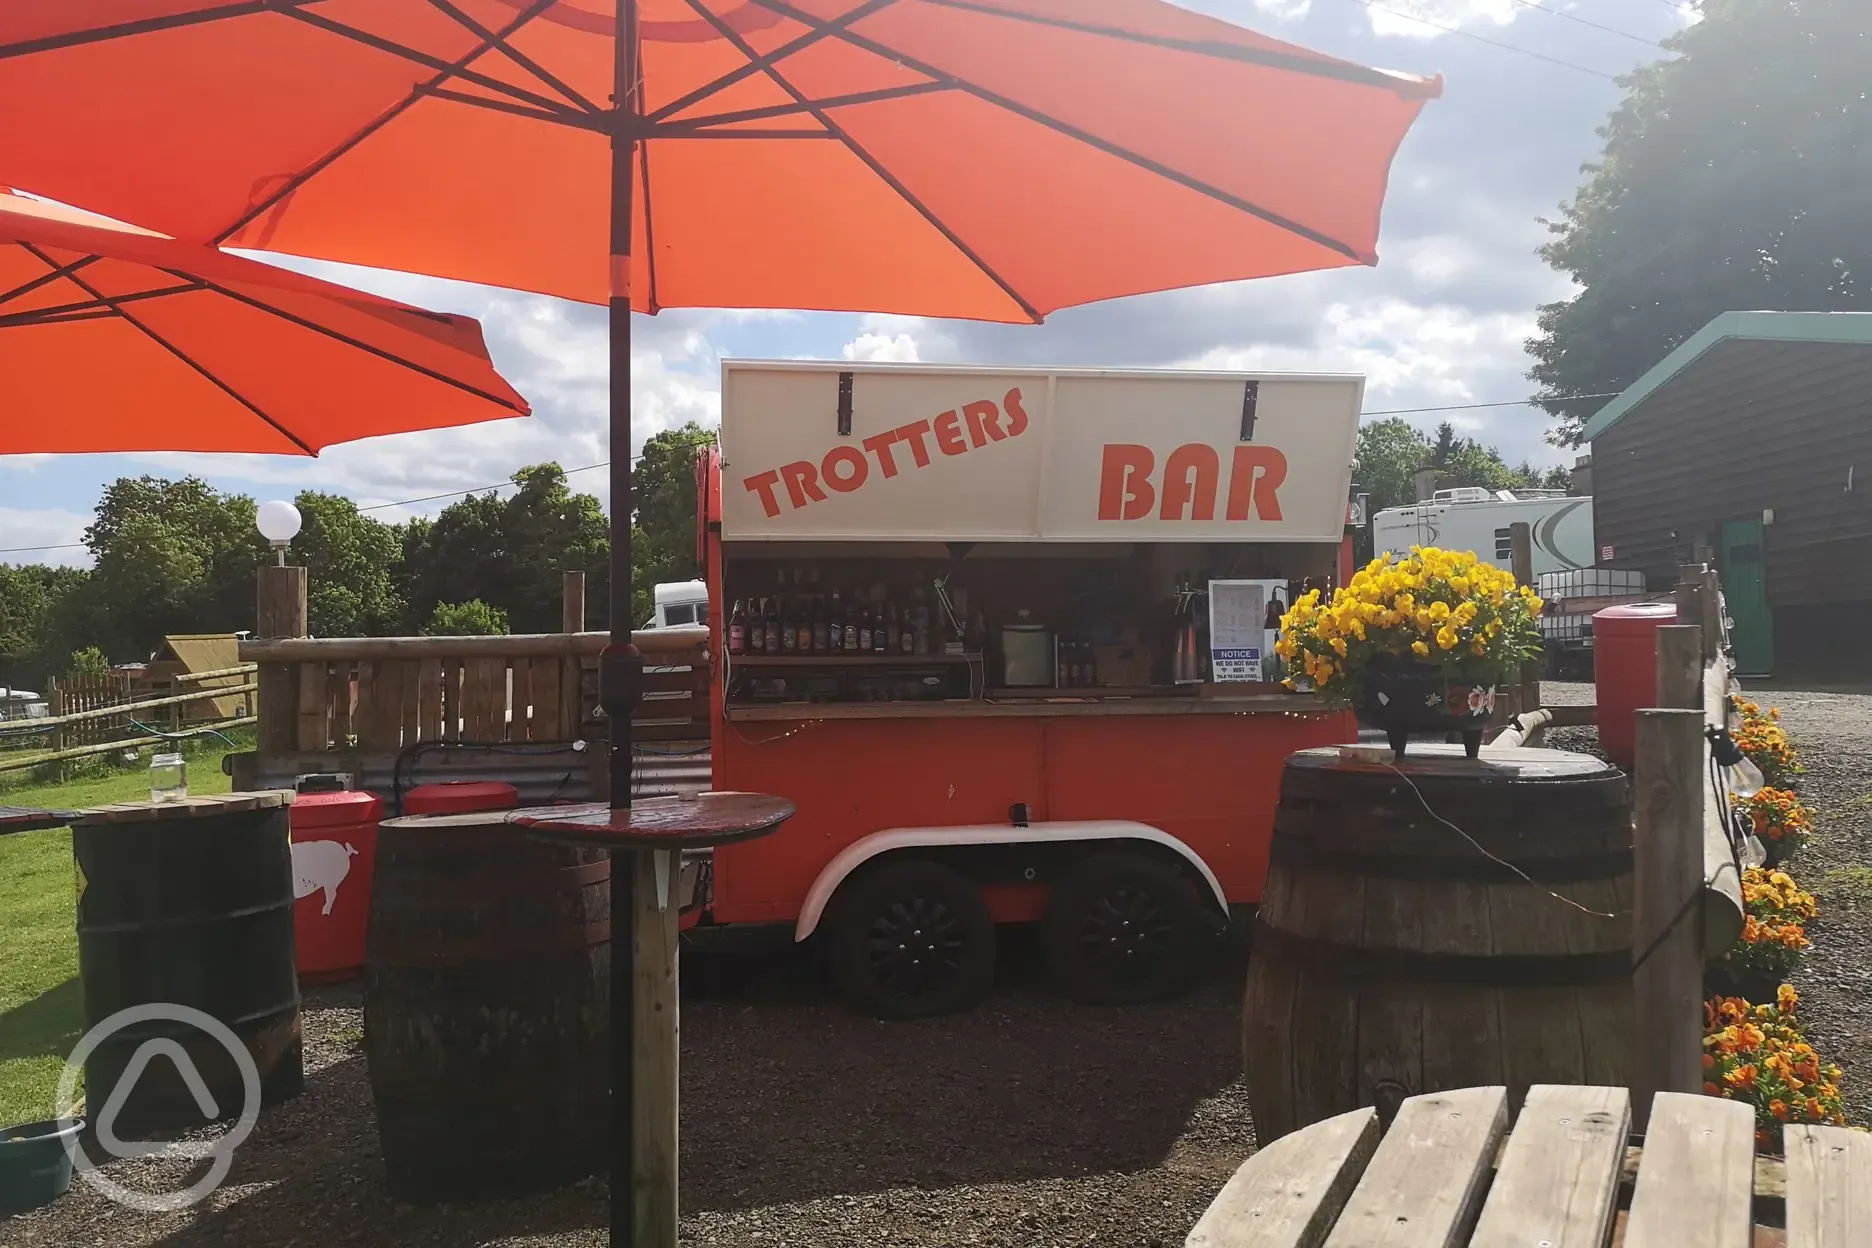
(487, 1007)
(187, 903)
(1439, 924)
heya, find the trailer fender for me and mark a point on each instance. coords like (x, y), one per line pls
(862, 851)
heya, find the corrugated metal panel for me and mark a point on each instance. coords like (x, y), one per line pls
(543, 776)
(1749, 426)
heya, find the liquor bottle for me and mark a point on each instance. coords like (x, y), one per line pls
(756, 631)
(919, 623)
(772, 624)
(737, 629)
(893, 630)
(1088, 666)
(835, 621)
(789, 639)
(864, 630)
(821, 643)
(851, 627)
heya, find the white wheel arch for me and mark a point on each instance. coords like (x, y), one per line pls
(1066, 831)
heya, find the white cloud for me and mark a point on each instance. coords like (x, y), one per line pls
(43, 527)
(1283, 10)
(1421, 19)
(881, 348)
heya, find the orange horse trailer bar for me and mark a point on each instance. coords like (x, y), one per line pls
(1003, 637)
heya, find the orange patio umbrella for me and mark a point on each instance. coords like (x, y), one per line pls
(991, 159)
(116, 339)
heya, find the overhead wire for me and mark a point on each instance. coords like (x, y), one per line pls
(1586, 21)
(1493, 43)
(430, 498)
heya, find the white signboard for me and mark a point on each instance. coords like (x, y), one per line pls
(935, 454)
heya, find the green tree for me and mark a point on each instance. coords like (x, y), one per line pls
(466, 619)
(30, 598)
(1733, 177)
(170, 557)
(510, 553)
(89, 661)
(1389, 452)
(663, 538)
(352, 564)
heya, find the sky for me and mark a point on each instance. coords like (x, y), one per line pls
(1439, 322)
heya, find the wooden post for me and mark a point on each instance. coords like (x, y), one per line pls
(1667, 937)
(572, 605)
(1689, 596)
(61, 740)
(1680, 667)
(572, 620)
(1521, 547)
(655, 1043)
(280, 612)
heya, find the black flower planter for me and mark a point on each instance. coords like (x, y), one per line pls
(1403, 696)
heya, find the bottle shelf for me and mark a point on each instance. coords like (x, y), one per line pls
(848, 660)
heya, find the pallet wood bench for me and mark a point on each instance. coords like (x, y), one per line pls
(1450, 1173)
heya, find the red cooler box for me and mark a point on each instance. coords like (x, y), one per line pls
(334, 847)
(460, 797)
(1625, 671)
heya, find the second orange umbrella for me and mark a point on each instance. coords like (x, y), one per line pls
(116, 339)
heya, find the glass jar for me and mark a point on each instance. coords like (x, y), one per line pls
(168, 778)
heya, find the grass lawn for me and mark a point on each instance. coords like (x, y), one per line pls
(41, 1007)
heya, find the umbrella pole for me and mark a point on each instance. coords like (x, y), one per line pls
(642, 1170)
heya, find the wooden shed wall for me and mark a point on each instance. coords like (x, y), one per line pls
(1750, 425)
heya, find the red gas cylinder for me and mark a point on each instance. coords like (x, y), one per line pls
(334, 846)
(460, 797)
(1625, 671)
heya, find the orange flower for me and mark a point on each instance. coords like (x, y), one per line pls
(1779, 1109)
(1787, 998)
(1710, 1089)
(1741, 1077)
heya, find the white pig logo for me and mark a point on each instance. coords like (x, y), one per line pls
(320, 865)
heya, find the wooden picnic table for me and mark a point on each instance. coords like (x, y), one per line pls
(32, 819)
(1442, 1177)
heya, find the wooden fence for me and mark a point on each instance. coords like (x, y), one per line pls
(100, 714)
(383, 695)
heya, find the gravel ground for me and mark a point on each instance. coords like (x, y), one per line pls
(1029, 1123)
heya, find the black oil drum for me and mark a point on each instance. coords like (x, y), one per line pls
(189, 904)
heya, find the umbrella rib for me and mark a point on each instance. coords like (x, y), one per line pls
(299, 179)
(88, 309)
(757, 64)
(518, 57)
(369, 348)
(177, 352)
(1343, 71)
(447, 68)
(45, 279)
(674, 129)
(577, 121)
(643, 165)
(144, 26)
(1074, 132)
(857, 149)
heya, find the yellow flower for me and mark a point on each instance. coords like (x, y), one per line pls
(1339, 646)
(1446, 638)
(1419, 649)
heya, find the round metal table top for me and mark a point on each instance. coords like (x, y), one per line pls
(686, 821)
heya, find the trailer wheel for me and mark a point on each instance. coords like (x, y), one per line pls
(910, 939)
(1122, 929)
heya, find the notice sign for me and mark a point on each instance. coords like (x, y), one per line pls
(1238, 636)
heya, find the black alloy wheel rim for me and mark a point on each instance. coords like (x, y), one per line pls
(916, 947)
(1127, 935)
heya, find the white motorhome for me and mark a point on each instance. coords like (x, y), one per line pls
(679, 602)
(1481, 521)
